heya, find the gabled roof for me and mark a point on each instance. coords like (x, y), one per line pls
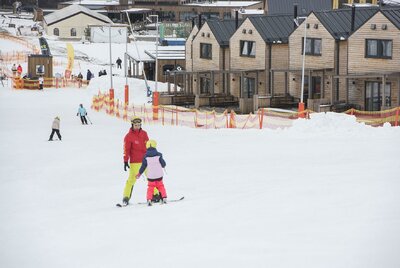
(304, 6)
(274, 28)
(338, 22)
(223, 30)
(73, 10)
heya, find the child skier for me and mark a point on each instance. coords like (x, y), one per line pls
(82, 112)
(154, 162)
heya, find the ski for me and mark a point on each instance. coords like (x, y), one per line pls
(168, 201)
(145, 203)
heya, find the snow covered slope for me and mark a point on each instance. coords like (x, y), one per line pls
(324, 193)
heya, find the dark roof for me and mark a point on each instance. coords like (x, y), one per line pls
(393, 15)
(274, 28)
(338, 22)
(223, 30)
(304, 6)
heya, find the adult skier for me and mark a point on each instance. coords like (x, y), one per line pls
(55, 128)
(154, 162)
(134, 151)
(82, 112)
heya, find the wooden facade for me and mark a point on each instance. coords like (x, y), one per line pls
(382, 71)
(339, 73)
(317, 67)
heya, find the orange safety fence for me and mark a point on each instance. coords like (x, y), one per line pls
(20, 83)
(377, 118)
(180, 116)
(263, 118)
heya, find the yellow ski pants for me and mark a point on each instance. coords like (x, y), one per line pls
(130, 182)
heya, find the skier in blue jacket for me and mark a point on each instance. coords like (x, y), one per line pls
(82, 112)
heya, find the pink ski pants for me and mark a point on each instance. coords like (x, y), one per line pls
(155, 184)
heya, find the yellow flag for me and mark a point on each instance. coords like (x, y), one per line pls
(70, 56)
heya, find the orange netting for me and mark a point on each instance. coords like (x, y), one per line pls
(377, 118)
(264, 118)
(20, 83)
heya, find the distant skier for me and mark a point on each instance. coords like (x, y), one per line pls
(119, 62)
(82, 112)
(55, 128)
(154, 162)
(41, 82)
(14, 70)
(134, 151)
(88, 75)
(19, 70)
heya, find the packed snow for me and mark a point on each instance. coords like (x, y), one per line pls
(322, 193)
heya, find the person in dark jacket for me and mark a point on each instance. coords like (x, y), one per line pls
(88, 75)
(119, 61)
(154, 162)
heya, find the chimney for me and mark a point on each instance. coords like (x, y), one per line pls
(236, 19)
(199, 20)
(353, 17)
(295, 15)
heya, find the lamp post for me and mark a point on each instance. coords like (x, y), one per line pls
(301, 104)
(111, 75)
(155, 93)
(156, 74)
(126, 69)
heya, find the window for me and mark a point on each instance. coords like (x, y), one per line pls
(167, 68)
(249, 87)
(56, 32)
(373, 96)
(205, 85)
(73, 32)
(205, 51)
(247, 48)
(376, 48)
(313, 46)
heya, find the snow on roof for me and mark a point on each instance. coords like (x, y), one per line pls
(361, 5)
(251, 11)
(94, 2)
(168, 53)
(137, 10)
(225, 4)
(72, 10)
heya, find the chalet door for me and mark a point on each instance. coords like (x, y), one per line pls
(205, 85)
(373, 96)
(316, 87)
(249, 87)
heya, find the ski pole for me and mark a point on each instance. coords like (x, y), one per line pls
(89, 119)
(165, 171)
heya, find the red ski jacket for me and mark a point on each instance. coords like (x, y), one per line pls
(135, 145)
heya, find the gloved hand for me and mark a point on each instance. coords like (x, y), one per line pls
(86, 114)
(126, 165)
(77, 114)
(138, 176)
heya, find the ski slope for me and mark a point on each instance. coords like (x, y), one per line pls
(324, 193)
